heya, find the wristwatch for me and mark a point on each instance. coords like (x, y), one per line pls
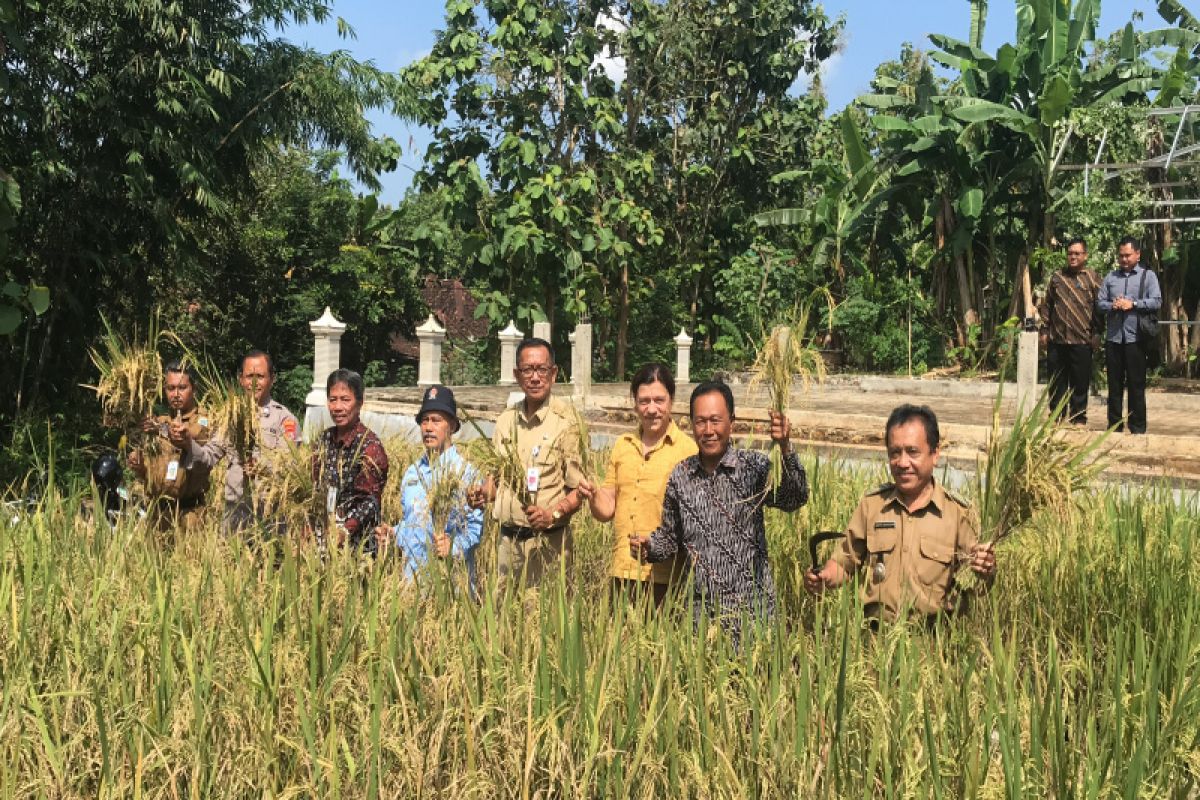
(557, 515)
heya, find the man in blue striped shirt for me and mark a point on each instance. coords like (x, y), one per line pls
(1126, 293)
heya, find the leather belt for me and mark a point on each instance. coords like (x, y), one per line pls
(522, 532)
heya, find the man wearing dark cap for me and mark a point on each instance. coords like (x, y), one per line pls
(416, 536)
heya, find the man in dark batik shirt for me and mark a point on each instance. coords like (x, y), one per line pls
(713, 510)
(1070, 331)
(349, 469)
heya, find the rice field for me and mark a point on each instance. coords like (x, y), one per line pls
(203, 669)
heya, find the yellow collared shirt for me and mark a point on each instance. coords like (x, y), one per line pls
(640, 480)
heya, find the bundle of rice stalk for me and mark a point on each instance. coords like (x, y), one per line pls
(400, 453)
(234, 413)
(130, 384)
(291, 495)
(445, 491)
(1034, 466)
(587, 459)
(503, 463)
(785, 356)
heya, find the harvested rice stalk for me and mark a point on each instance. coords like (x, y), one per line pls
(130, 384)
(292, 496)
(785, 356)
(234, 414)
(445, 491)
(400, 453)
(503, 463)
(1035, 466)
(587, 460)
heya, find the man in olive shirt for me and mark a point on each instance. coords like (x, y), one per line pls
(535, 537)
(909, 536)
(1070, 331)
(175, 483)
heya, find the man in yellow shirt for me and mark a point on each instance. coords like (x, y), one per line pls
(631, 496)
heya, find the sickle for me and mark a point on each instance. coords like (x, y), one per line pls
(815, 541)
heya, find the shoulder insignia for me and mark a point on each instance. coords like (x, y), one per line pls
(289, 428)
(881, 488)
(957, 498)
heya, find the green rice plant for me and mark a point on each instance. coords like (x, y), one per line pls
(202, 670)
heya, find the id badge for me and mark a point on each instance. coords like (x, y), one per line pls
(173, 470)
(533, 478)
(331, 500)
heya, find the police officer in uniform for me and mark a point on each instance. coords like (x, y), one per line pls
(910, 536)
(175, 483)
(278, 429)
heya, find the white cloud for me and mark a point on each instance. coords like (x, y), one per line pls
(826, 70)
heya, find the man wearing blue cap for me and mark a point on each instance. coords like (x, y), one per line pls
(416, 535)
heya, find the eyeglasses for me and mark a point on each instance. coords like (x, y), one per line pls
(529, 372)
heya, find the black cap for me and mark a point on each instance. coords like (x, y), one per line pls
(439, 398)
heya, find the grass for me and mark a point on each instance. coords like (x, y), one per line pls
(133, 670)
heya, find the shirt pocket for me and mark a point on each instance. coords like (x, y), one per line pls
(937, 556)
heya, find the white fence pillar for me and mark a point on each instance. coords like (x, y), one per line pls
(683, 357)
(510, 337)
(429, 367)
(1027, 370)
(581, 361)
(542, 330)
(327, 350)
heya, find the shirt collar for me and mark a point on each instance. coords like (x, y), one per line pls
(342, 441)
(729, 461)
(539, 415)
(937, 499)
(669, 438)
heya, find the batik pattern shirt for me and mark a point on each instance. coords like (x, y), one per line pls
(717, 519)
(1069, 314)
(356, 468)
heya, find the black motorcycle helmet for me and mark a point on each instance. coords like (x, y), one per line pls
(107, 473)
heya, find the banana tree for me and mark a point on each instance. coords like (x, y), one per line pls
(986, 149)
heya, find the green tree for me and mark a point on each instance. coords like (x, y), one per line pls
(130, 126)
(594, 193)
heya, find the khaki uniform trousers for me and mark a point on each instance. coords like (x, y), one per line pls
(527, 562)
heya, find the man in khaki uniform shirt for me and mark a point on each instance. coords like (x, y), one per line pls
(908, 537)
(278, 429)
(535, 539)
(175, 484)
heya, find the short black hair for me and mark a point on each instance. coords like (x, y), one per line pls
(257, 354)
(349, 377)
(709, 387)
(1132, 242)
(1077, 240)
(654, 372)
(902, 415)
(533, 341)
(179, 366)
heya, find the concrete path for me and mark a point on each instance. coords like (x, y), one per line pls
(847, 416)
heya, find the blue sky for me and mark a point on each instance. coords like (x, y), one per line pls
(393, 33)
